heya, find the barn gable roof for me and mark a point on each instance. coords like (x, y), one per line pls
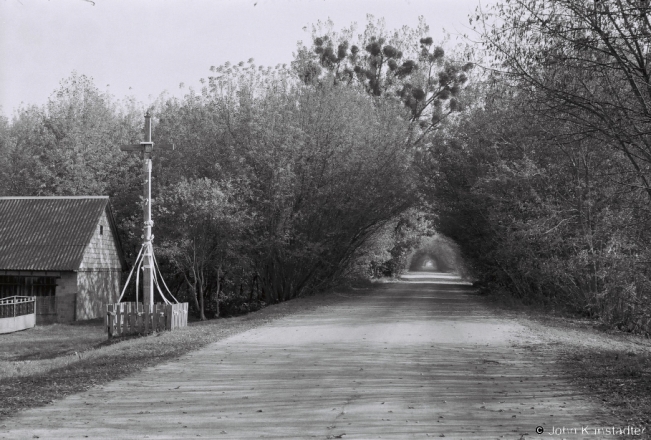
(49, 233)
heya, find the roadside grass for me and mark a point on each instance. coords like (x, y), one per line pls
(621, 379)
(38, 367)
(612, 366)
(48, 341)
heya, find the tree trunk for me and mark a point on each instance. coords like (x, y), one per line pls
(219, 285)
(195, 301)
(252, 288)
(202, 315)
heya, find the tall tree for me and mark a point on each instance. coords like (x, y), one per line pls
(585, 61)
(200, 226)
(404, 65)
(69, 146)
(539, 212)
(324, 166)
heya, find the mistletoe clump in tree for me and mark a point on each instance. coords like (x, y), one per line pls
(418, 74)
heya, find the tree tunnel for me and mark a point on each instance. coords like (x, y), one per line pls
(425, 260)
(436, 254)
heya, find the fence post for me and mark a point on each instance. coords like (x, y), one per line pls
(109, 320)
(146, 314)
(118, 319)
(161, 318)
(129, 326)
(138, 321)
(169, 313)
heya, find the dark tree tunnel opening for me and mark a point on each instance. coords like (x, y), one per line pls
(428, 261)
(437, 254)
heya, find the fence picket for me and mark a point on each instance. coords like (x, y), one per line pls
(132, 318)
(125, 319)
(138, 318)
(160, 317)
(109, 318)
(119, 319)
(148, 317)
(169, 314)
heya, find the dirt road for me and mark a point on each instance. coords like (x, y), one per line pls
(404, 360)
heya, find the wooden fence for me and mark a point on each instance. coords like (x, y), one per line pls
(130, 318)
(16, 313)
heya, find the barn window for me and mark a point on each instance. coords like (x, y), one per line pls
(101, 230)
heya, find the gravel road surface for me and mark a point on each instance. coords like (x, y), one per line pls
(416, 359)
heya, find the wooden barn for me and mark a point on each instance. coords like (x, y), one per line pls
(63, 250)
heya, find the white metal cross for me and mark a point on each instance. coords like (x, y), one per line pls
(146, 148)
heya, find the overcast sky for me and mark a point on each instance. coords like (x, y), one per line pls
(144, 47)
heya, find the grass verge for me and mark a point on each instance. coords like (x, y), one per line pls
(621, 379)
(53, 378)
(611, 366)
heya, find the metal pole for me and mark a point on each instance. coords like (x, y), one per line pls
(148, 265)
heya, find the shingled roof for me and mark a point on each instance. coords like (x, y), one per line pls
(48, 233)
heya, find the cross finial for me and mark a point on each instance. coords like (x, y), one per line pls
(147, 127)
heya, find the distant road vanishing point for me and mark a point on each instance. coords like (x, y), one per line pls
(414, 359)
